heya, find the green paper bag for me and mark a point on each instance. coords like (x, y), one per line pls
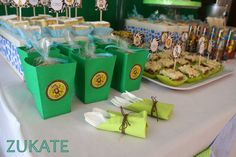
(52, 86)
(128, 68)
(93, 77)
(137, 121)
(164, 111)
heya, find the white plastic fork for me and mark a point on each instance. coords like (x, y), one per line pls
(103, 112)
(119, 102)
(122, 101)
(130, 97)
(114, 102)
(94, 118)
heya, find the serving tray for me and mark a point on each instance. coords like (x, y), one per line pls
(189, 86)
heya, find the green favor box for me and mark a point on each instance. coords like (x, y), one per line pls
(52, 86)
(93, 76)
(66, 49)
(102, 44)
(128, 68)
(23, 53)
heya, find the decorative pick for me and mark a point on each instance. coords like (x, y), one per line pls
(19, 4)
(101, 5)
(154, 44)
(168, 42)
(201, 43)
(5, 3)
(164, 37)
(33, 3)
(177, 50)
(77, 4)
(184, 39)
(44, 3)
(209, 49)
(69, 4)
(138, 39)
(56, 6)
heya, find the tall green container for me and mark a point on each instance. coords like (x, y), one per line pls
(52, 86)
(23, 53)
(66, 49)
(128, 68)
(93, 77)
(100, 44)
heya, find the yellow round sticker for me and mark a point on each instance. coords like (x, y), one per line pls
(135, 72)
(99, 80)
(57, 90)
(168, 42)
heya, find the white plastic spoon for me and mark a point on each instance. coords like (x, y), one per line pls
(103, 112)
(130, 97)
(94, 118)
(122, 101)
(114, 102)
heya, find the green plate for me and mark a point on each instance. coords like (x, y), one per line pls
(170, 82)
(152, 76)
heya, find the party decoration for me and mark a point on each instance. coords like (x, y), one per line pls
(154, 45)
(5, 3)
(19, 4)
(184, 39)
(176, 53)
(101, 5)
(57, 90)
(209, 49)
(168, 42)
(33, 3)
(56, 6)
(69, 4)
(164, 37)
(201, 48)
(135, 72)
(77, 4)
(44, 3)
(138, 39)
(99, 79)
(129, 65)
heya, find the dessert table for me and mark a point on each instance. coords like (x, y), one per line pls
(198, 117)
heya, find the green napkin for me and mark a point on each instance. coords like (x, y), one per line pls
(136, 124)
(205, 153)
(164, 110)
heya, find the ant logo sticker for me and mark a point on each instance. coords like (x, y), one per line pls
(99, 80)
(135, 72)
(57, 90)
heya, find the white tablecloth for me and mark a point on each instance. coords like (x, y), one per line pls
(198, 117)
